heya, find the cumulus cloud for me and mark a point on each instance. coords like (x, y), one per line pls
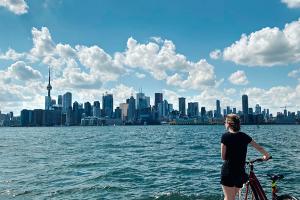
(292, 3)
(161, 60)
(19, 71)
(99, 62)
(267, 47)
(11, 54)
(200, 76)
(42, 42)
(18, 7)
(238, 78)
(215, 54)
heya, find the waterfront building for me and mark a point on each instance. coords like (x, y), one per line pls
(118, 113)
(193, 109)
(218, 109)
(224, 112)
(88, 109)
(142, 101)
(158, 99)
(107, 105)
(228, 110)
(124, 110)
(147, 101)
(131, 109)
(67, 101)
(38, 117)
(203, 112)
(25, 117)
(250, 111)
(96, 109)
(59, 100)
(163, 109)
(245, 108)
(257, 109)
(234, 110)
(181, 104)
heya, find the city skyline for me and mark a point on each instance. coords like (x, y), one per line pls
(202, 51)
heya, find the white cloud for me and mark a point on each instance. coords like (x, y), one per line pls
(140, 75)
(238, 78)
(42, 42)
(215, 54)
(267, 47)
(11, 54)
(200, 76)
(17, 96)
(163, 63)
(294, 74)
(99, 62)
(292, 3)
(19, 71)
(18, 7)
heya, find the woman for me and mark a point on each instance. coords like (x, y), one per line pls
(233, 151)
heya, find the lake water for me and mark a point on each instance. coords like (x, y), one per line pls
(134, 162)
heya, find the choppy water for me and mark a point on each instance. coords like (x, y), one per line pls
(133, 162)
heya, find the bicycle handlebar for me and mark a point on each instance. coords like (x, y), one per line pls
(257, 160)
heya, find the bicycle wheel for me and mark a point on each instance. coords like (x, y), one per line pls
(246, 193)
(286, 197)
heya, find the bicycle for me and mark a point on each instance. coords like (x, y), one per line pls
(256, 192)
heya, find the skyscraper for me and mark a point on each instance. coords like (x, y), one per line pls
(108, 105)
(193, 109)
(245, 108)
(96, 109)
(218, 109)
(59, 100)
(158, 99)
(124, 110)
(181, 104)
(88, 109)
(131, 109)
(67, 101)
(203, 112)
(257, 109)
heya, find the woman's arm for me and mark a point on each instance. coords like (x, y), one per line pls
(259, 148)
(223, 151)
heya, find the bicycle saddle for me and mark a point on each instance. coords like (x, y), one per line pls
(275, 177)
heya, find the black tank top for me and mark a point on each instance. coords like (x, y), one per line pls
(236, 149)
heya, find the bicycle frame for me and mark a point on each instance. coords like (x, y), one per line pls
(257, 190)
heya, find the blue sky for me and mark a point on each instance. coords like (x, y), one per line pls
(159, 46)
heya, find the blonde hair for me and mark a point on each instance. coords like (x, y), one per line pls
(233, 122)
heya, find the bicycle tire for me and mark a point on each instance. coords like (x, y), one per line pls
(286, 197)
